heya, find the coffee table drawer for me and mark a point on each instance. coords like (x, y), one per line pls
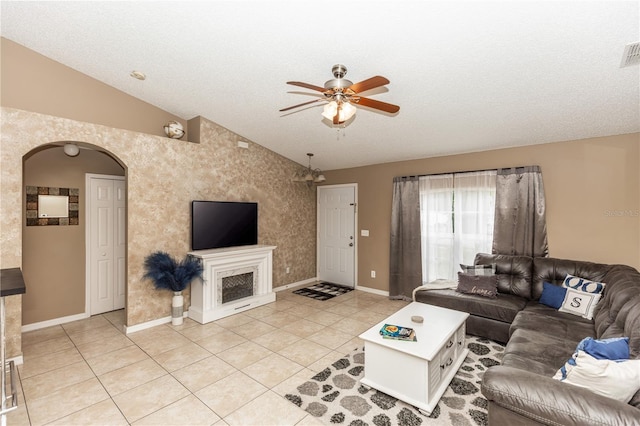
(440, 366)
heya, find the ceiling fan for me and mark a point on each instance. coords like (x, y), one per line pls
(342, 95)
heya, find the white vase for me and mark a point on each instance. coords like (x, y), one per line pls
(177, 304)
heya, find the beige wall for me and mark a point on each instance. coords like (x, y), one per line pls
(53, 261)
(163, 176)
(45, 102)
(36, 83)
(592, 191)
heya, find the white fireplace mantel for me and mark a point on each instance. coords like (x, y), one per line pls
(206, 298)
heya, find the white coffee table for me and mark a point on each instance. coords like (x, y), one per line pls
(419, 372)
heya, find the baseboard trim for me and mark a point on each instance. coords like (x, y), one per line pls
(373, 290)
(52, 322)
(18, 360)
(151, 324)
(296, 284)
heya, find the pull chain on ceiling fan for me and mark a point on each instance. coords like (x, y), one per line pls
(342, 96)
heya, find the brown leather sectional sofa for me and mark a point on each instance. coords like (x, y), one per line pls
(540, 339)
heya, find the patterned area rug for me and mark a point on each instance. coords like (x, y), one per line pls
(323, 291)
(336, 397)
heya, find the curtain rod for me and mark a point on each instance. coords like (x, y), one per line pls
(447, 173)
(525, 168)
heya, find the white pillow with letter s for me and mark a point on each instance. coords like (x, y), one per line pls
(580, 303)
(583, 284)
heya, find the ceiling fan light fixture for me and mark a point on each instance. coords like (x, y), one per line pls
(342, 95)
(347, 110)
(329, 110)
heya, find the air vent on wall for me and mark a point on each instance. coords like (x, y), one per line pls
(631, 55)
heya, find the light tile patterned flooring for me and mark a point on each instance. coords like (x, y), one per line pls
(233, 371)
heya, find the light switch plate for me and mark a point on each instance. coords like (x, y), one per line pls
(364, 232)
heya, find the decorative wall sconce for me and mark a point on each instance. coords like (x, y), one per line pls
(309, 175)
(174, 130)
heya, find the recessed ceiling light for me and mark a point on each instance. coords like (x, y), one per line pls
(138, 75)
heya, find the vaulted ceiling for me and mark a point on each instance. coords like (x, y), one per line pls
(468, 76)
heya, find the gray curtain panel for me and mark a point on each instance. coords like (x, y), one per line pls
(405, 269)
(520, 222)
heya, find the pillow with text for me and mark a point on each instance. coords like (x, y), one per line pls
(481, 285)
(580, 303)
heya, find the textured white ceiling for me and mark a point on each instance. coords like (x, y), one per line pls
(468, 76)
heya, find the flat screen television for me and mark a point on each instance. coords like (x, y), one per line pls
(217, 224)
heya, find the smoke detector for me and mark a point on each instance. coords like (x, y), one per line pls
(631, 55)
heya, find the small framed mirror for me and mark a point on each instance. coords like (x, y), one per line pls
(53, 206)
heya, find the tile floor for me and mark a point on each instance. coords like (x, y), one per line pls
(233, 371)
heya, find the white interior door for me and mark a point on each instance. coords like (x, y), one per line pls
(336, 234)
(106, 243)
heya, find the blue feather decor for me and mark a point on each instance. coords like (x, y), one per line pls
(167, 273)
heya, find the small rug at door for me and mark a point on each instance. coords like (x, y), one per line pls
(336, 397)
(323, 291)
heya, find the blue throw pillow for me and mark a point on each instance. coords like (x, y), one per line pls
(552, 295)
(615, 348)
(612, 349)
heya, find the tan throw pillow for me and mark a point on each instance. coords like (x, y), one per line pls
(481, 285)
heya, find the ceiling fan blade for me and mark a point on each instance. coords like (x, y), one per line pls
(307, 86)
(368, 84)
(372, 103)
(299, 105)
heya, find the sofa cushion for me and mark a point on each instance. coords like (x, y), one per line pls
(538, 317)
(503, 308)
(537, 351)
(533, 399)
(491, 329)
(618, 313)
(514, 272)
(555, 271)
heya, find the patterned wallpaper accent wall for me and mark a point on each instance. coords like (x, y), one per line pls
(163, 176)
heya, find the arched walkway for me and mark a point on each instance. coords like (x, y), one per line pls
(54, 249)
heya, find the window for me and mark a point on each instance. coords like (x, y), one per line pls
(456, 219)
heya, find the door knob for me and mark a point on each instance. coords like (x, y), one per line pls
(350, 244)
